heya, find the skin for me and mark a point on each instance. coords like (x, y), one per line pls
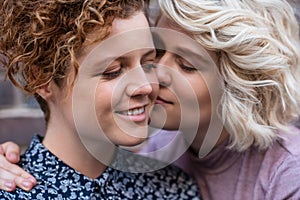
(13, 175)
(112, 104)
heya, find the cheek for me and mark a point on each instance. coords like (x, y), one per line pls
(103, 102)
(205, 107)
(195, 100)
(208, 93)
(190, 91)
(203, 94)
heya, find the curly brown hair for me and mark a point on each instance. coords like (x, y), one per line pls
(40, 39)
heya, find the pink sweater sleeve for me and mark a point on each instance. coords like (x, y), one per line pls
(284, 182)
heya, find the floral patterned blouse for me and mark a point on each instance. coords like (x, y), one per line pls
(56, 180)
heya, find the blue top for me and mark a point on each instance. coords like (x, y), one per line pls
(56, 180)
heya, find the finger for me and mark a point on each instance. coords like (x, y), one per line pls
(25, 183)
(9, 182)
(13, 170)
(13, 176)
(11, 151)
(7, 185)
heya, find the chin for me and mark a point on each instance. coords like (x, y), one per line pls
(131, 138)
(130, 142)
(160, 124)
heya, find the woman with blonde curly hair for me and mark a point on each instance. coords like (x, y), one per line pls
(75, 58)
(244, 71)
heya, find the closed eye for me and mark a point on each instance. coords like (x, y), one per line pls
(187, 68)
(112, 72)
(185, 65)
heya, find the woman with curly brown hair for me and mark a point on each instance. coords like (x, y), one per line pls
(75, 58)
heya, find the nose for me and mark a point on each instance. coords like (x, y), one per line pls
(163, 70)
(140, 85)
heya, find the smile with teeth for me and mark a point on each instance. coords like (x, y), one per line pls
(136, 111)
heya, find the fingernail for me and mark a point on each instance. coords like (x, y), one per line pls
(9, 185)
(27, 184)
(32, 180)
(13, 156)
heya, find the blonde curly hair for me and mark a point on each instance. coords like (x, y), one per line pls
(40, 39)
(258, 47)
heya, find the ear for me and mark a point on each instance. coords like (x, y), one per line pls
(46, 91)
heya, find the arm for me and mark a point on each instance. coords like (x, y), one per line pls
(11, 175)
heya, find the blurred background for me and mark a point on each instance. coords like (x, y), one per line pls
(20, 115)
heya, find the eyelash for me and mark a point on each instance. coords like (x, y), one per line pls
(187, 68)
(160, 53)
(113, 74)
(184, 67)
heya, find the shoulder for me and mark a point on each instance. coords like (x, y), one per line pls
(17, 194)
(284, 153)
(287, 152)
(44, 191)
(283, 160)
(54, 178)
(40, 192)
(290, 141)
(286, 149)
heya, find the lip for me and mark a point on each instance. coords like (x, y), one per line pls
(135, 114)
(161, 100)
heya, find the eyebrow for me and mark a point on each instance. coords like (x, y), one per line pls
(181, 51)
(105, 62)
(119, 58)
(113, 58)
(159, 44)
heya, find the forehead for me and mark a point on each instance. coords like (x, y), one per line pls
(137, 21)
(181, 42)
(172, 36)
(127, 35)
(165, 22)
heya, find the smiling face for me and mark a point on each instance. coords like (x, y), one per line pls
(188, 84)
(127, 87)
(130, 84)
(116, 84)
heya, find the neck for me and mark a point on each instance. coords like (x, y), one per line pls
(208, 139)
(67, 146)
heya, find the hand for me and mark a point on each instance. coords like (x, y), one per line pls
(11, 175)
